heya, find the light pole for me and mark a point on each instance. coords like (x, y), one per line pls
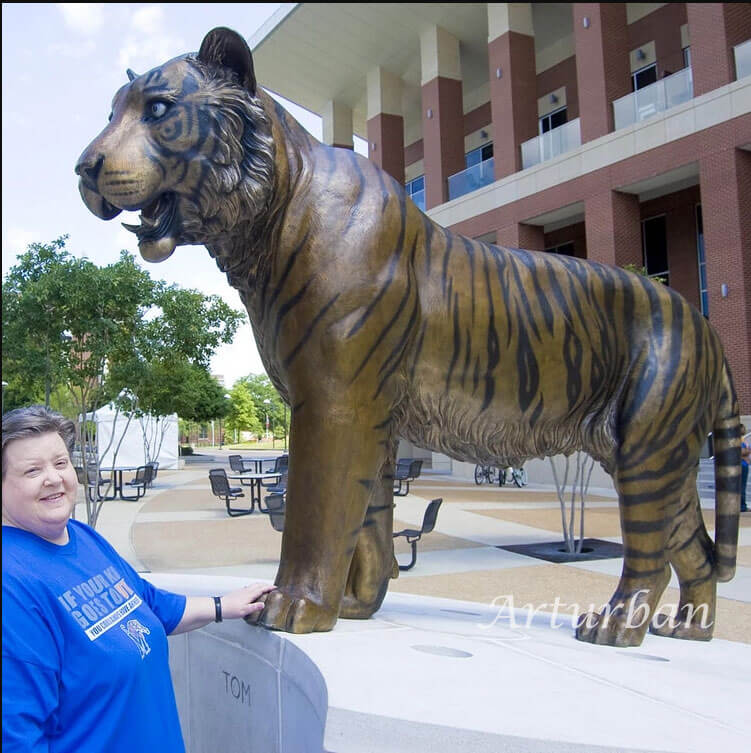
(284, 405)
(221, 435)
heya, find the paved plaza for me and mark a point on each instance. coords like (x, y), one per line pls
(179, 527)
(577, 696)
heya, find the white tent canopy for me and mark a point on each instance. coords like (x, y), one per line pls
(131, 439)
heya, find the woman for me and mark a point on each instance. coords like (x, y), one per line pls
(84, 636)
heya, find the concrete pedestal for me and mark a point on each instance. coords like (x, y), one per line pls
(243, 689)
(428, 674)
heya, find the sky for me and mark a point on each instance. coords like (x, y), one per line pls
(62, 64)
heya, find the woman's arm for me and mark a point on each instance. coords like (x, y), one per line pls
(200, 610)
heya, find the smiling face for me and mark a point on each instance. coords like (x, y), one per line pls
(39, 486)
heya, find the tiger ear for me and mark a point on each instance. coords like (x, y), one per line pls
(131, 76)
(226, 48)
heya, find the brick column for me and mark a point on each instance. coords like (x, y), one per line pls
(725, 188)
(442, 113)
(613, 226)
(602, 64)
(714, 29)
(337, 125)
(513, 83)
(520, 235)
(385, 122)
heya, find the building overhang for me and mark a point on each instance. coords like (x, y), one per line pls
(313, 53)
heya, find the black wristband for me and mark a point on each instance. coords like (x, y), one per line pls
(218, 608)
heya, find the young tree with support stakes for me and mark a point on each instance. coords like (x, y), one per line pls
(74, 326)
(169, 371)
(242, 414)
(261, 390)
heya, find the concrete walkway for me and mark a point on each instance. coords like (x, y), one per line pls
(180, 531)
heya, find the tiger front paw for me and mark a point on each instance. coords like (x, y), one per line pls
(611, 628)
(293, 614)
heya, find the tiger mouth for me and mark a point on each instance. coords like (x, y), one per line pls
(158, 232)
(157, 219)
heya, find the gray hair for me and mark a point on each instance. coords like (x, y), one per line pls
(32, 421)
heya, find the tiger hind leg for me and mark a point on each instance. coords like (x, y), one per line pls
(373, 560)
(691, 554)
(644, 497)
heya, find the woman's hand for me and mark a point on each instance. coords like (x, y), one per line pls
(201, 610)
(245, 601)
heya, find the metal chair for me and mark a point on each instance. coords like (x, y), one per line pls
(406, 470)
(154, 469)
(93, 484)
(279, 486)
(280, 466)
(413, 535)
(220, 488)
(237, 465)
(139, 482)
(275, 508)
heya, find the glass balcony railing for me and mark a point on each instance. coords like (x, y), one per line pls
(655, 98)
(471, 179)
(551, 143)
(419, 198)
(742, 59)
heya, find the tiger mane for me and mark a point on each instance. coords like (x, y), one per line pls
(237, 190)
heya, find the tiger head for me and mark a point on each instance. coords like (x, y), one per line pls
(189, 145)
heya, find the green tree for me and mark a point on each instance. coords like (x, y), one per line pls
(168, 372)
(268, 402)
(242, 415)
(643, 272)
(188, 324)
(66, 322)
(91, 335)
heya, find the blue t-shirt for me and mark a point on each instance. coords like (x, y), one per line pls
(85, 657)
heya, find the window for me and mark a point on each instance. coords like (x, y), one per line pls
(686, 57)
(413, 186)
(553, 120)
(643, 77)
(476, 156)
(702, 263)
(567, 249)
(655, 247)
(416, 191)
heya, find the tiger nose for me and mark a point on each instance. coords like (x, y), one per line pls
(88, 168)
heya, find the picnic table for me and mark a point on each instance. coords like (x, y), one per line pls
(255, 479)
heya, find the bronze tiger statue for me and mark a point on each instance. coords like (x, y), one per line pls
(375, 323)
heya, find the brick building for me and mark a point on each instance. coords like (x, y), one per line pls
(617, 132)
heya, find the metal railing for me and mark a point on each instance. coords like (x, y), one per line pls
(662, 95)
(550, 144)
(471, 179)
(742, 53)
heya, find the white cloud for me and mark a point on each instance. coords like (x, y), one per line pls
(75, 50)
(142, 52)
(148, 20)
(18, 239)
(84, 18)
(149, 41)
